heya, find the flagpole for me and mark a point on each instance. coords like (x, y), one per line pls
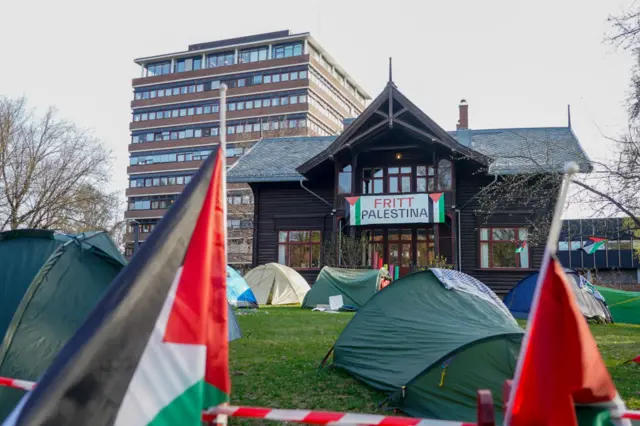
(222, 419)
(570, 169)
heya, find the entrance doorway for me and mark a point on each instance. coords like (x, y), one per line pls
(405, 248)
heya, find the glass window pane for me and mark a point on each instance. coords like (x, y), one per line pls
(378, 186)
(484, 255)
(282, 254)
(421, 185)
(484, 234)
(522, 234)
(524, 257)
(503, 255)
(300, 256)
(503, 234)
(406, 184)
(393, 185)
(394, 170)
(444, 175)
(267, 79)
(405, 170)
(393, 254)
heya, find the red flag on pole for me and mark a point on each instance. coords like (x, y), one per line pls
(561, 365)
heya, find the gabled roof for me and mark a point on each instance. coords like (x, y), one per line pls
(276, 159)
(391, 109)
(527, 150)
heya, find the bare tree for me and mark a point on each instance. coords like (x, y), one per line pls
(612, 186)
(52, 174)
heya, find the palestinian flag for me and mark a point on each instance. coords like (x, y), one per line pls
(593, 245)
(521, 247)
(154, 351)
(561, 377)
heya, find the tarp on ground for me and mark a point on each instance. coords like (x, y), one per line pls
(356, 286)
(56, 302)
(432, 346)
(623, 305)
(238, 291)
(592, 304)
(276, 284)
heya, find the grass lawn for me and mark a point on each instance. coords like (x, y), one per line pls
(276, 362)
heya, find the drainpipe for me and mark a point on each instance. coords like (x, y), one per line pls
(458, 211)
(317, 196)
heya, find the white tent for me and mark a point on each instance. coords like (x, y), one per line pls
(276, 284)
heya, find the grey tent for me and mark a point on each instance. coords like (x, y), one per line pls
(432, 339)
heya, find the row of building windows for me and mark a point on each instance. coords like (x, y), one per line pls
(239, 197)
(274, 123)
(215, 107)
(331, 92)
(152, 203)
(144, 225)
(268, 126)
(608, 245)
(399, 179)
(159, 181)
(343, 81)
(318, 129)
(227, 58)
(327, 111)
(239, 223)
(181, 156)
(215, 84)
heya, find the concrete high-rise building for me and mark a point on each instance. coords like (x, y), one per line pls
(280, 85)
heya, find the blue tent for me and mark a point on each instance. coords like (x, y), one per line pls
(591, 303)
(239, 293)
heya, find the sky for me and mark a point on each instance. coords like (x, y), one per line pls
(517, 63)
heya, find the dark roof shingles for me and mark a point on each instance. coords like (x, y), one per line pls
(276, 159)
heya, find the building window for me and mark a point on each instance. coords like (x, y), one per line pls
(445, 178)
(425, 176)
(252, 55)
(425, 247)
(220, 59)
(158, 69)
(344, 180)
(400, 247)
(286, 51)
(299, 249)
(373, 181)
(399, 179)
(504, 248)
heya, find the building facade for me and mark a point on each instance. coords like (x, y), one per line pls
(615, 263)
(404, 188)
(280, 84)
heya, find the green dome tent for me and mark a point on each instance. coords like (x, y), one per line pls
(623, 305)
(432, 339)
(22, 254)
(53, 305)
(356, 286)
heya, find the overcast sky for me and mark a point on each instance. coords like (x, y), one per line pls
(517, 63)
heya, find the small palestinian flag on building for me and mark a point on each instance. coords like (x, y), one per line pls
(593, 244)
(154, 350)
(521, 246)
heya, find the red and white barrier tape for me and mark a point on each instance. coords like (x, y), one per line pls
(17, 384)
(305, 416)
(323, 417)
(633, 415)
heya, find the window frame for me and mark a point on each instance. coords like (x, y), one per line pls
(491, 241)
(287, 243)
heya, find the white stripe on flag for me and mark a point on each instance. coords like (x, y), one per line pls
(164, 371)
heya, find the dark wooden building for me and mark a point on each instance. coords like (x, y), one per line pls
(408, 187)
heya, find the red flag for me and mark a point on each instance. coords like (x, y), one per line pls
(561, 365)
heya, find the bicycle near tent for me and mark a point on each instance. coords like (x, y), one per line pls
(430, 340)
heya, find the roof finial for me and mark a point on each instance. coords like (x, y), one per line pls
(569, 115)
(390, 70)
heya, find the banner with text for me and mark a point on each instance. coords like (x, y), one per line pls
(391, 209)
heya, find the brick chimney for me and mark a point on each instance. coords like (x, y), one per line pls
(463, 120)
